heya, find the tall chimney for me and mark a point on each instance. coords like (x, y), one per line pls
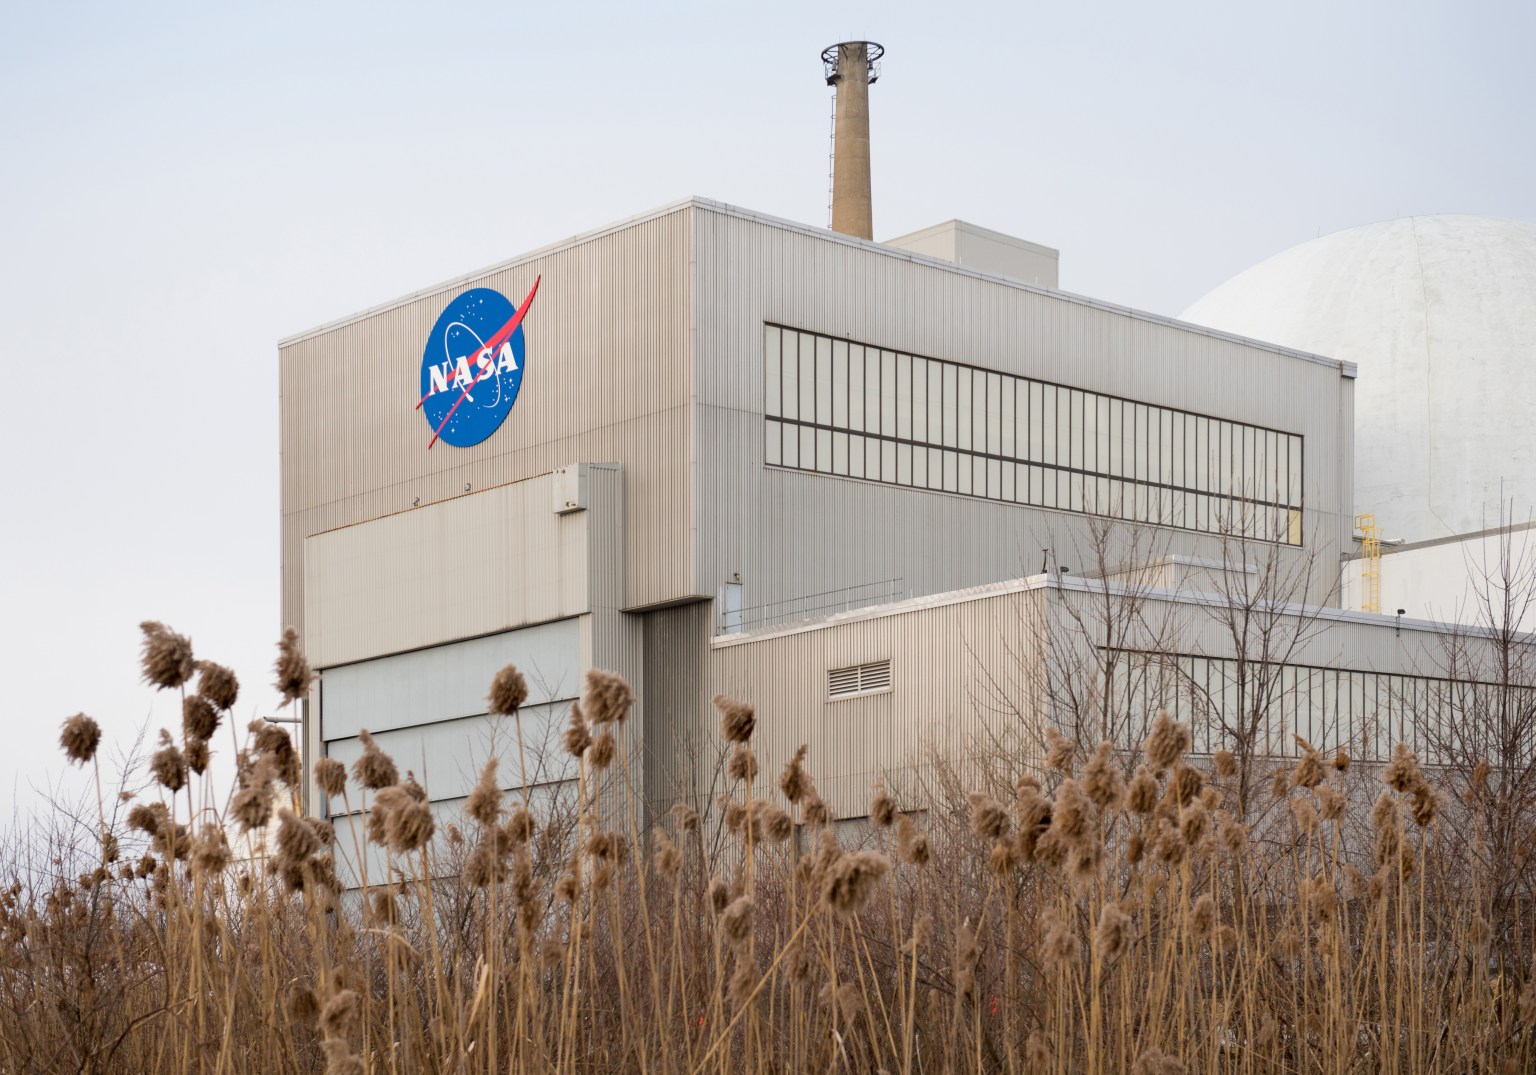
(852, 66)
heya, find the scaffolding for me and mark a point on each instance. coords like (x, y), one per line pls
(1370, 562)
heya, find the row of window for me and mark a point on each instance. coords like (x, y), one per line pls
(842, 408)
(1366, 713)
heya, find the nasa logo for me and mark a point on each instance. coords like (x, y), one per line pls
(472, 368)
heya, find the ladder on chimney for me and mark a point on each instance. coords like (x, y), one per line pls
(832, 158)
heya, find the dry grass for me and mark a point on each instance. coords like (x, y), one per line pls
(1112, 917)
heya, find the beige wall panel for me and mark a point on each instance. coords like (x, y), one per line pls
(451, 570)
(960, 680)
(966, 675)
(607, 377)
(757, 270)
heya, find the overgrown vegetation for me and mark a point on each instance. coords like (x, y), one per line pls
(1108, 913)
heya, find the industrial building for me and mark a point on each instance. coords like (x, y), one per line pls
(871, 487)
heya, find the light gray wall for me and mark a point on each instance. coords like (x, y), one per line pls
(959, 682)
(790, 534)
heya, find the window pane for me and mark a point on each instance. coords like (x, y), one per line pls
(994, 479)
(1142, 444)
(840, 453)
(1263, 461)
(872, 459)
(856, 457)
(824, 451)
(1162, 423)
(904, 397)
(888, 393)
(920, 467)
(994, 414)
(1296, 472)
(856, 388)
(964, 401)
(791, 446)
(1021, 421)
(791, 400)
(1180, 453)
(1074, 431)
(1048, 426)
(919, 399)
(807, 377)
(807, 448)
(935, 468)
(1009, 444)
(773, 443)
(967, 471)
(1115, 462)
(935, 403)
(903, 464)
(1202, 454)
(1224, 459)
(951, 419)
(1248, 480)
(871, 390)
(951, 472)
(1037, 433)
(840, 384)
(1098, 457)
(771, 374)
(823, 381)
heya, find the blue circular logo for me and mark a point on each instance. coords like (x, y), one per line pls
(472, 367)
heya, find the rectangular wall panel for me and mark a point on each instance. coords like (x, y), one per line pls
(463, 567)
(447, 682)
(447, 757)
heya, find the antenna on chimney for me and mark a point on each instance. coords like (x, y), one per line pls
(852, 67)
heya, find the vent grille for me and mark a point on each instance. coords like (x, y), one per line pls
(859, 679)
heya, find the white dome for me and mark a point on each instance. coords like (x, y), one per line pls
(1439, 313)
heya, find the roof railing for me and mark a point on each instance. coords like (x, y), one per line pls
(843, 599)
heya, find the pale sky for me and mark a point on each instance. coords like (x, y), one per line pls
(183, 185)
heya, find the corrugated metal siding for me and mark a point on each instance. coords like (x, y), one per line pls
(608, 377)
(447, 682)
(680, 740)
(963, 676)
(460, 568)
(447, 757)
(820, 533)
